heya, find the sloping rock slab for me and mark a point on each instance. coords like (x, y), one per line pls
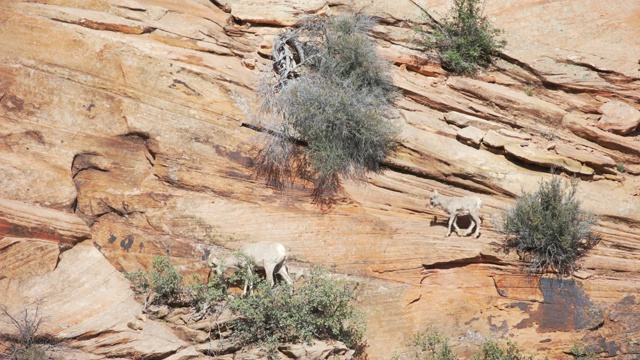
(464, 120)
(87, 303)
(26, 257)
(496, 140)
(619, 118)
(23, 220)
(471, 135)
(579, 127)
(504, 97)
(280, 13)
(533, 155)
(593, 159)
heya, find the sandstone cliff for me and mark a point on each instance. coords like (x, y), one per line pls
(120, 139)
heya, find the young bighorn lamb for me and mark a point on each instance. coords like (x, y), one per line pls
(456, 206)
(269, 256)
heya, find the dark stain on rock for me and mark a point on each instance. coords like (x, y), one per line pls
(609, 347)
(566, 307)
(206, 254)
(12, 103)
(184, 87)
(498, 329)
(141, 245)
(235, 156)
(547, 340)
(127, 242)
(112, 238)
(471, 321)
(628, 300)
(90, 107)
(520, 305)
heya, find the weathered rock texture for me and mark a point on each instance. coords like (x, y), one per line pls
(121, 138)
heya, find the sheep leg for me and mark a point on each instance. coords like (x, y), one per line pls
(474, 222)
(285, 274)
(476, 219)
(247, 283)
(455, 224)
(451, 221)
(269, 269)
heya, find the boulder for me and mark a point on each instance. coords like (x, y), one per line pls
(496, 140)
(471, 135)
(619, 118)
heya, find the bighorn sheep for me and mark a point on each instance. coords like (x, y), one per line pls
(456, 206)
(269, 256)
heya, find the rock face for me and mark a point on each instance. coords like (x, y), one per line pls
(619, 118)
(123, 136)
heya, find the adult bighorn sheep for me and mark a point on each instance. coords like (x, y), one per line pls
(456, 206)
(269, 256)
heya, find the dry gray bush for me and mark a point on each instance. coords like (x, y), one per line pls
(327, 105)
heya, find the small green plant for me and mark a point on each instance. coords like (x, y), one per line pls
(25, 344)
(529, 90)
(465, 38)
(203, 295)
(327, 106)
(164, 280)
(431, 345)
(620, 167)
(548, 228)
(320, 308)
(494, 350)
(582, 353)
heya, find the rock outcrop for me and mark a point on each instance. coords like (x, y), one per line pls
(122, 138)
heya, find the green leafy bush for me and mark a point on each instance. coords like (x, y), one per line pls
(164, 280)
(494, 350)
(548, 228)
(320, 308)
(582, 353)
(466, 39)
(203, 295)
(431, 345)
(327, 106)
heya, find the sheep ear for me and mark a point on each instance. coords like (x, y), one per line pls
(435, 193)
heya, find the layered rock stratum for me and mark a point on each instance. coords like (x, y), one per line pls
(121, 138)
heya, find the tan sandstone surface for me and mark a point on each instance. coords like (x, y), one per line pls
(121, 138)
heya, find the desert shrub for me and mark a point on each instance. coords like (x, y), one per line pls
(582, 353)
(25, 343)
(202, 294)
(548, 228)
(494, 350)
(320, 308)
(327, 106)
(465, 39)
(431, 345)
(164, 280)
